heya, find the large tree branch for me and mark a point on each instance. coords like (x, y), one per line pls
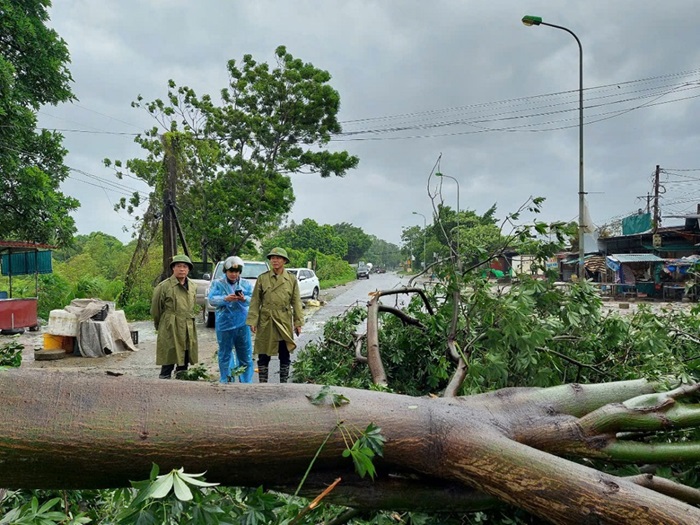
(526, 477)
(667, 487)
(403, 316)
(62, 430)
(374, 358)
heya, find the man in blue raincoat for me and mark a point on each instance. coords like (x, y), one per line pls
(231, 297)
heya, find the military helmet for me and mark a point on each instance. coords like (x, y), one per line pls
(233, 262)
(181, 259)
(280, 252)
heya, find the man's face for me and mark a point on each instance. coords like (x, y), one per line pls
(277, 262)
(180, 270)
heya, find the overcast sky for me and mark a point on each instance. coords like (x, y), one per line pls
(463, 80)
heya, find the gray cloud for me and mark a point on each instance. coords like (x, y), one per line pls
(429, 62)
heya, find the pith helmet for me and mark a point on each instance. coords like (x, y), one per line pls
(233, 262)
(280, 252)
(181, 259)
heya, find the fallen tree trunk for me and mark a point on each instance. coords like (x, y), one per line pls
(62, 430)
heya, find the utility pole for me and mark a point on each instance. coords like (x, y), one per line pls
(648, 199)
(657, 216)
(169, 189)
(655, 237)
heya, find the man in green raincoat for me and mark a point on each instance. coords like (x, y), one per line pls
(173, 314)
(275, 315)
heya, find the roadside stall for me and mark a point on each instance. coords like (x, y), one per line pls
(679, 278)
(635, 274)
(596, 268)
(21, 258)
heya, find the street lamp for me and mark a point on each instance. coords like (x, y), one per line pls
(537, 21)
(438, 174)
(425, 227)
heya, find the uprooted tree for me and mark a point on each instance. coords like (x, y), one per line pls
(541, 409)
(540, 449)
(86, 431)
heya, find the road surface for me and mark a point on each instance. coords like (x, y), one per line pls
(142, 363)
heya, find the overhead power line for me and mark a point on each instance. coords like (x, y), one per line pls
(532, 114)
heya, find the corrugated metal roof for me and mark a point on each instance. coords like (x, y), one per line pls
(635, 257)
(22, 246)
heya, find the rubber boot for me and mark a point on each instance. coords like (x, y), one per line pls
(284, 373)
(262, 374)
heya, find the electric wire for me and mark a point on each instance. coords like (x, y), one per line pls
(479, 115)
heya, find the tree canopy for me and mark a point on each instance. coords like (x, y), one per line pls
(309, 235)
(383, 254)
(234, 157)
(33, 72)
(358, 241)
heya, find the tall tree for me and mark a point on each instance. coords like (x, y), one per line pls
(358, 241)
(33, 72)
(309, 235)
(477, 234)
(270, 123)
(383, 254)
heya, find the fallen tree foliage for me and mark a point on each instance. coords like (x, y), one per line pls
(86, 431)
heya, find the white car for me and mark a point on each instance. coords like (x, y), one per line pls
(309, 286)
(251, 270)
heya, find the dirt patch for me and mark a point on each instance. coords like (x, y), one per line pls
(142, 362)
(139, 364)
(660, 307)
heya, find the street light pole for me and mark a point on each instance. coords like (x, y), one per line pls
(537, 21)
(438, 174)
(425, 227)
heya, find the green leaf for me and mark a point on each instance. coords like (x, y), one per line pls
(161, 486)
(190, 479)
(182, 491)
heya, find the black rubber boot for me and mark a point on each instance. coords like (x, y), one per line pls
(262, 374)
(284, 373)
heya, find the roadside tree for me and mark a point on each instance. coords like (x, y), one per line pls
(33, 72)
(233, 158)
(383, 254)
(358, 241)
(308, 235)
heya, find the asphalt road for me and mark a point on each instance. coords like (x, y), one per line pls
(335, 301)
(142, 363)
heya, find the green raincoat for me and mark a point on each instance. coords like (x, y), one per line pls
(173, 314)
(275, 309)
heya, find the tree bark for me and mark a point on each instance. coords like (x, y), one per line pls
(63, 430)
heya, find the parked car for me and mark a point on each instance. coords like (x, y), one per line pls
(202, 289)
(362, 271)
(251, 270)
(309, 286)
